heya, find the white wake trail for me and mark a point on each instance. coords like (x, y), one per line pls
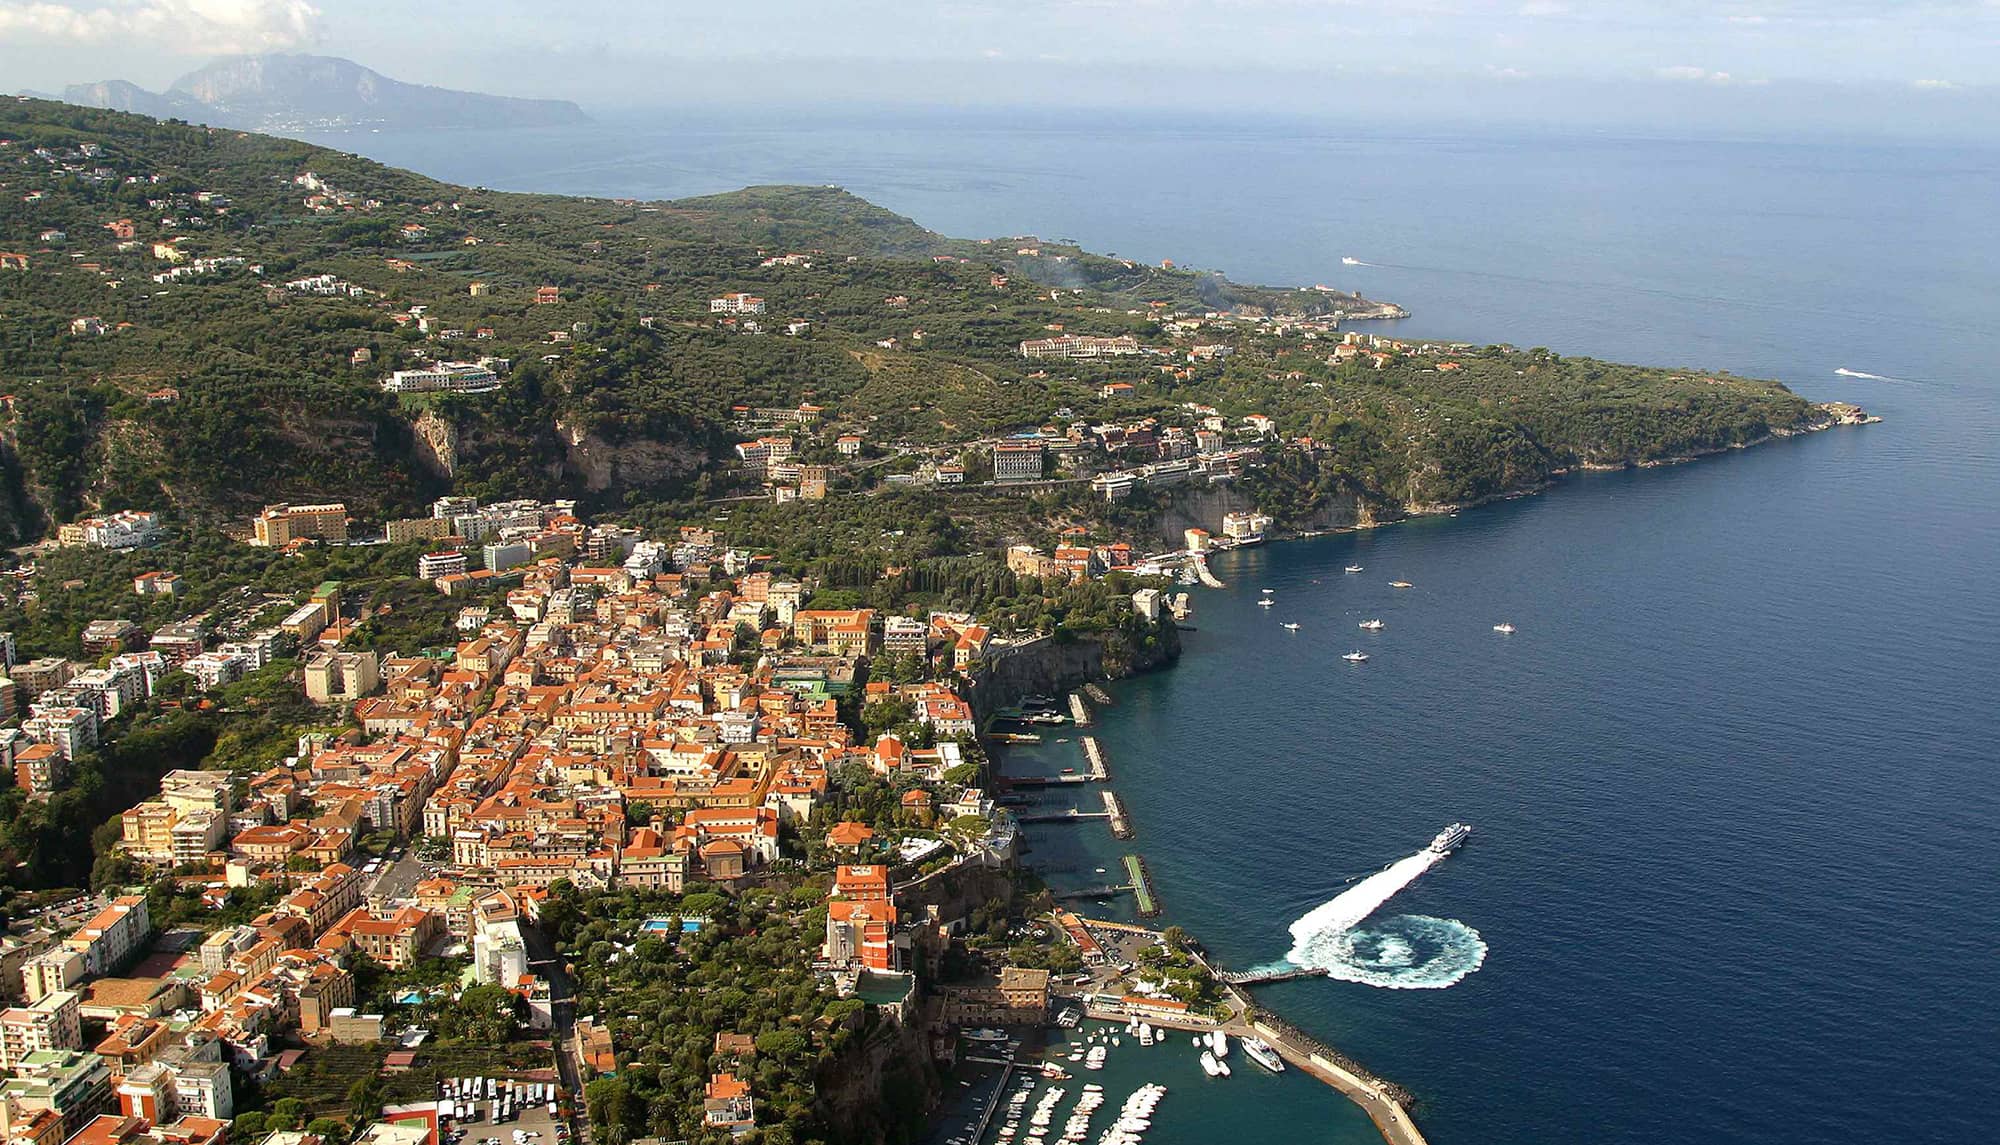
(1353, 906)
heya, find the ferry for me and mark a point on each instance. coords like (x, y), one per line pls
(1373, 625)
(1448, 839)
(1353, 568)
(1357, 656)
(1504, 628)
(1258, 1050)
(1399, 584)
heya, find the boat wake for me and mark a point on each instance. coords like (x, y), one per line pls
(1844, 372)
(1405, 952)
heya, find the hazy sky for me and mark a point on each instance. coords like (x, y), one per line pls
(1894, 60)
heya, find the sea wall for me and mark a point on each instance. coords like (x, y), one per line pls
(1051, 665)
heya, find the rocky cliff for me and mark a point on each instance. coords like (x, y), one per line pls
(1055, 664)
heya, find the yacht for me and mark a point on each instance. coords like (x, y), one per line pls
(1290, 626)
(1373, 625)
(1353, 568)
(1504, 628)
(1258, 1050)
(1356, 656)
(1219, 1042)
(1209, 1065)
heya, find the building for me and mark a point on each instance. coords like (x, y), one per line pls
(548, 295)
(727, 1105)
(129, 529)
(52, 1022)
(279, 525)
(417, 529)
(1077, 346)
(736, 304)
(839, 632)
(445, 377)
(431, 566)
(101, 636)
(72, 1084)
(1016, 996)
(118, 931)
(342, 677)
(1018, 459)
(157, 583)
(1245, 527)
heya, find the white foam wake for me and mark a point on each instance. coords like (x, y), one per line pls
(1406, 952)
(1844, 372)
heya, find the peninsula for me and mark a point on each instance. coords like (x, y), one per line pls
(520, 660)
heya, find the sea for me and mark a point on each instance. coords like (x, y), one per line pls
(1732, 779)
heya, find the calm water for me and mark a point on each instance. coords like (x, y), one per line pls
(1733, 778)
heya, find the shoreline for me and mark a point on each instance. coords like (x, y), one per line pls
(1387, 1104)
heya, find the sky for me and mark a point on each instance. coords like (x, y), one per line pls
(1878, 64)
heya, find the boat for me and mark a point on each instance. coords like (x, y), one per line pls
(1264, 603)
(1399, 584)
(1095, 1059)
(1504, 628)
(1353, 568)
(1258, 1050)
(1349, 260)
(1373, 625)
(986, 1034)
(1290, 626)
(1448, 839)
(1054, 1072)
(1209, 1065)
(1219, 1042)
(1265, 591)
(1356, 656)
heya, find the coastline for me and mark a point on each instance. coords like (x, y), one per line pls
(1388, 1105)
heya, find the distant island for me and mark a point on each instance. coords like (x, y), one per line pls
(279, 92)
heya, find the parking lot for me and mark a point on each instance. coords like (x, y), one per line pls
(531, 1123)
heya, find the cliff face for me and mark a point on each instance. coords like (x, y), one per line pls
(1053, 665)
(1204, 507)
(882, 1083)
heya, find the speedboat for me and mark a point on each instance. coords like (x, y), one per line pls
(1289, 625)
(1353, 568)
(1356, 656)
(1265, 591)
(1349, 260)
(1399, 584)
(1373, 625)
(1264, 603)
(1504, 628)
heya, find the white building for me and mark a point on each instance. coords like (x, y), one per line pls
(736, 304)
(446, 377)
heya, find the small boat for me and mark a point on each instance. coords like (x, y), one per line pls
(1353, 568)
(1399, 584)
(1356, 656)
(1265, 591)
(1209, 1065)
(1290, 626)
(1373, 625)
(1504, 628)
(1219, 1042)
(1264, 603)
(1349, 260)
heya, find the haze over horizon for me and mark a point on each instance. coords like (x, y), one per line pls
(1825, 66)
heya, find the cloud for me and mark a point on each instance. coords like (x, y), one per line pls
(1688, 73)
(190, 27)
(1933, 85)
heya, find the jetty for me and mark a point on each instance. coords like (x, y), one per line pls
(1094, 755)
(1079, 712)
(1071, 815)
(1142, 890)
(1121, 827)
(1201, 571)
(1384, 1103)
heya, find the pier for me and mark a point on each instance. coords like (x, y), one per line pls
(1094, 756)
(1382, 1102)
(1121, 827)
(1142, 890)
(1079, 712)
(1201, 571)
(1072, 815)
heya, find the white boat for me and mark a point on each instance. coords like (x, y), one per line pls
(1504, 628)
(1373, 625)
(1353, 568)
(1356, 656)
(1219, 1042)
(1349, 260)
(1258, 1050)
(986, 1034)
(1399, 584)
(1265, 591)
(1095, 1059)
(1289, 626)
(1209, 1065)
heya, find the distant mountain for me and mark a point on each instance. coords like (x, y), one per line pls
(277, 92)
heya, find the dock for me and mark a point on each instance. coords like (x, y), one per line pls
(1079, 712)
(1072, 815)
(1385, 1104)
(1094, 755)
(1121, 827)
(1201, 571)
(1142, 889)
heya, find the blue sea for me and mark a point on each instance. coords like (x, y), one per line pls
(1733, 777)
